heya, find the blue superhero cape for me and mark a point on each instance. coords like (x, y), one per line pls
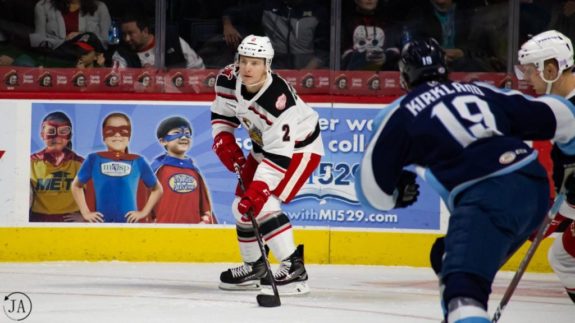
(168, 160)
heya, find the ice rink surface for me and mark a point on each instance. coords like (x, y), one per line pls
(188, 292)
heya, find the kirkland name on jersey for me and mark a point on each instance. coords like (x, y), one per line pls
(461, 132)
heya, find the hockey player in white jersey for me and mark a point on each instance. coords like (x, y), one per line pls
(286, 148)
(546, 63)
(467, 141)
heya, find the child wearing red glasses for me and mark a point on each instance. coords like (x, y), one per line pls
(52, 170)
(115, 174)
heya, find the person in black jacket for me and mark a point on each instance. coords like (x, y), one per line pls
(138, 42)
(298, 30)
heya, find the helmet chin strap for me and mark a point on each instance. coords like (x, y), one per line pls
(257, 83)
(267, 82)
(548, 89)
(550, 82)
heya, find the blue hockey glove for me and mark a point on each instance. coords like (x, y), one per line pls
(407, 188)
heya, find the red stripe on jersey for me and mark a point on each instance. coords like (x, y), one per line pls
(227, 96)
(226, 122)
(274, 166)
(263, 117)
(268, 238)
(247, 240)
(297, 174)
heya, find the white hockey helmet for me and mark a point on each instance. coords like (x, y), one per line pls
(257, 46)
(544, 46)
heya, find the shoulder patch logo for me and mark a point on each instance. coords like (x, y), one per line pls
(281, 102)
(507, 158)
(228, 71)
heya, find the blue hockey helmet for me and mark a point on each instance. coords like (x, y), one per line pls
(422, 61)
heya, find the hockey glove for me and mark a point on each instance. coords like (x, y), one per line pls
(407, 188)
(228, 151)
(254, 198)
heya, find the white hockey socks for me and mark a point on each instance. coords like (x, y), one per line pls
(466, 310)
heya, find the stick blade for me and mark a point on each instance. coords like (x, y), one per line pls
(268, 300)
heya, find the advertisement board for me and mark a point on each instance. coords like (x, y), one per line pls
(327, 199)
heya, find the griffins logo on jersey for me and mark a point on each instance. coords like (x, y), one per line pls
(112, 80)
(11, 78)
(79, 80)
(116, 169)
(254, 133)
(45, 80)
(182, 183)
(341, 82)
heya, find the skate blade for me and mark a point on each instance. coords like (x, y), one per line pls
(298, 288)
(246, 286)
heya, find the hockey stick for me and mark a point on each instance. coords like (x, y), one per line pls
(527, 258)
(263, 300)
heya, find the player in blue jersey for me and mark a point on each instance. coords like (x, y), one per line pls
(467, 141)
(116, 175)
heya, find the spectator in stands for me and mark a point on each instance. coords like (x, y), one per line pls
(367, 42)
(534, 17)
(138, 42)
(298, 30)
(563, 18)
(450, 24)
(16, 59)
(56, 21)
(17, 22)
(90, 51)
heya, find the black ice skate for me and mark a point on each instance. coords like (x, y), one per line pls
(291, 277)
(245, 277)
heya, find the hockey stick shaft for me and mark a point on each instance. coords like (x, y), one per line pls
(527, 258)
(262, 299)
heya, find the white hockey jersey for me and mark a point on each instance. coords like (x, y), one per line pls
(278, 122)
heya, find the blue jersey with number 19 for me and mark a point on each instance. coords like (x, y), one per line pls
(458, 134)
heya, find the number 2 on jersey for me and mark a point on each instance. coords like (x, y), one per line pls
(285, 129)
